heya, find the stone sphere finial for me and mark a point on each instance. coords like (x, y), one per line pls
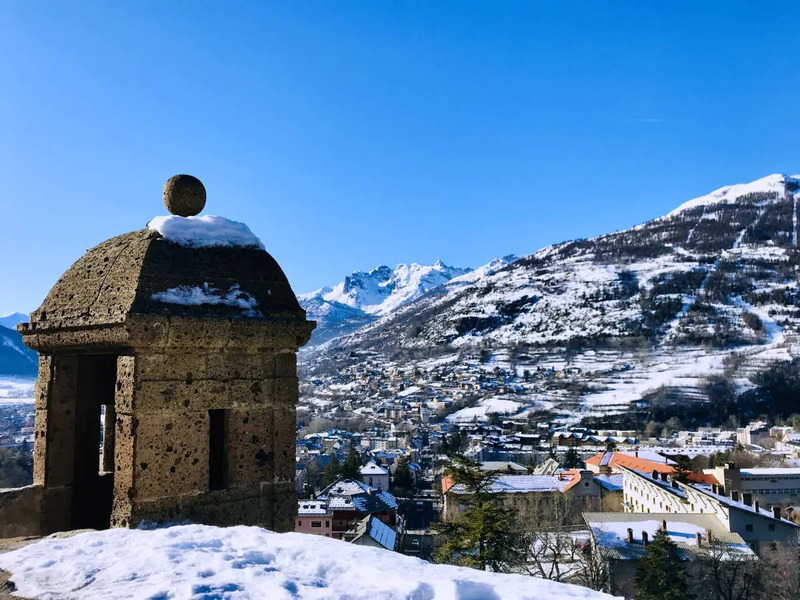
(184, 195)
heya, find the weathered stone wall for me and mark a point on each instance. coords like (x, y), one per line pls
(20, 511)
(162, 433)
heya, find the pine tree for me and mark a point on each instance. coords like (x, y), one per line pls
(683, 469)
(403, 480)
(661, 574)
(571, 459)
(484, 534)
(334, 469)
(351, 467)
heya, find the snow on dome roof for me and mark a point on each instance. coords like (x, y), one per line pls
(207, 231)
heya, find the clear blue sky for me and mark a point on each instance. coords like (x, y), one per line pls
(351, 134)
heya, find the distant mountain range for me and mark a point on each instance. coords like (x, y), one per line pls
(363, 297)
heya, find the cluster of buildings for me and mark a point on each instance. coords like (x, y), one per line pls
(624, 497)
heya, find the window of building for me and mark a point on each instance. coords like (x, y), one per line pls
(299, 523)
(316, 523)
(327, 523)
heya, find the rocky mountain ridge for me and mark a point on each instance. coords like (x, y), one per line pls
(363, 297)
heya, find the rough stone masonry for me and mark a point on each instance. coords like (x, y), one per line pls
(194, 401)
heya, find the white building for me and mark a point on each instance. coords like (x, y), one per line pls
(375, 475)
(740, 513)
(778, 485)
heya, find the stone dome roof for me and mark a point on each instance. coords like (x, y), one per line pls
(142, 273)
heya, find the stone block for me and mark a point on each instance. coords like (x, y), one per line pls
(239, 365)
(183, 366)
(201, 395)
(283, 392)
(59, 451)
(286, 365)
(249, 393)
(56, 509)
(20, 511)
(284, 507)
(284, 439)
(170, 454)
(40, 448)
(198, 332)
(249, 447)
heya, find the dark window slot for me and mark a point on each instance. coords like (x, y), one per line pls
(216, 449)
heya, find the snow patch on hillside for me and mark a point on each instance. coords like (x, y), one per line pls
(198, 561)
(485, 408)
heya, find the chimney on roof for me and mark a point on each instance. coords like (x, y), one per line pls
(747, 498)
(721, 489)
(630, 535)
(776, 512)
(698, 539)
(714, 488)
(756, 505)
(675, 484)
(655, 474)
(645, 540)
(735, 495)
(663, 477)
(664, 525)
(708, 535)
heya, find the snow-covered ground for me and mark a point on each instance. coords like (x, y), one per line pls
(202, 562)
(16, 391)
(485, 408)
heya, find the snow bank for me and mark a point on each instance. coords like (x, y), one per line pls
(208, 294)
(205, 232)
(197, 561)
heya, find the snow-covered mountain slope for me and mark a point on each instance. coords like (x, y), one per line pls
(16, 359)
(771, 184)
(382, 290)
(198, 561)
(717, 275)
(12, 320)
(363, 297)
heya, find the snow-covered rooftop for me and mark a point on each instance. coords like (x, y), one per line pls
(373, 469)
(205, 232)
(307, 508)
(198, 561)
(521, 484)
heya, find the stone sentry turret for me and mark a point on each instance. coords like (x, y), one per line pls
(184, 337)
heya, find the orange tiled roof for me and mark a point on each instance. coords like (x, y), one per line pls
(702, 478)
(632, 462)
(447, 483)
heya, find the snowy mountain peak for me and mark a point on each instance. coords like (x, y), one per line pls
(776, 184)
(364, 296)
(383, 289)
